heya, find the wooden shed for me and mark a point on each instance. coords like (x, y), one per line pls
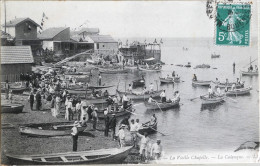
(14, 61)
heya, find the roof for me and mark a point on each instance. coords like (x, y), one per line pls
(89, 30)
(16, 54)
(102, 39)
(5, 35)
(51, 33)
(17, 21)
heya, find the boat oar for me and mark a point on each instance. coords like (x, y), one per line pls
(196, 97)
(158, 105)
(231, 99)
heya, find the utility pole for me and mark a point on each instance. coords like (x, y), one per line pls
(5, 14)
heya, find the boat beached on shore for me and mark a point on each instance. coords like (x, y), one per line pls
(12, 108)
(100, 156)
(48, 129)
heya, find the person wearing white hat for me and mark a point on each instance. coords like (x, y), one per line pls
(121, 135)
(156, 150)
(74, 134)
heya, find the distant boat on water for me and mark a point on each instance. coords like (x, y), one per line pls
(215, 55)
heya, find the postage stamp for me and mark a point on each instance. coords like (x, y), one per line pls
(233, 24)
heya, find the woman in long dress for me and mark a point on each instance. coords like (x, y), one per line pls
(57, 105)
(66, 108)
(230, 21)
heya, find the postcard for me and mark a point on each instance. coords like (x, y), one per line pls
(129, 82)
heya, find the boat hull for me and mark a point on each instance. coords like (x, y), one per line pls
(104, 156)
(47, 129)
(201, 83)
(141, 96)
(229, 85)
(166, 80)
(149, 70)
(242, 91)
(211, 101)
(246, 73)
(12, 108)
(15, 90)
(162, 106)
(148, 130)
(107, 71)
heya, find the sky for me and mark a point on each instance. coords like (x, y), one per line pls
(123, 18)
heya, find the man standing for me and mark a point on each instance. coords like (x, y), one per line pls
(38, 100)
(125, 101)
(143, 145)
(156, 150)
(31, 100)
(94, 118)
(99, 79)
(115, 101)
(106, 125)
(78, 109)
(74, 134)
(163, 96)
(112, 125)
(121, 136)
(69, 106)
(109, 103)
(7, 88)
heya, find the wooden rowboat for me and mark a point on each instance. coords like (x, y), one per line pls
(229, 85)
(100, 156)
(15, 90)
(215, 55)
(241, 91)
(113, 71)
(148, 129)
(249, 73)
(12, 108)
(48, 129)
(134, 96)
(160, 105)
(166, 80)
(150, 70)
(214, 100)
(201, 83)
(119, 113)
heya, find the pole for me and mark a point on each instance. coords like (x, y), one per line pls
(5, 15)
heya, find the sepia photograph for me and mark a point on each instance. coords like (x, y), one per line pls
(129, 82)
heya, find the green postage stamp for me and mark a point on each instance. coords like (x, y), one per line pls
(233, 24)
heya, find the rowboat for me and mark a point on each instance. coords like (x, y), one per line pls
(48, 129)
(135, 96)
(149, 129)
(249, 73)
(177, 79)
(73, 74)
(119, 113)
(160, 105)
(15, 90)
(228, 85)
(139, 83)
(11, 108)
(201, 83)
(215, 55)
(241, 91)
(150, 70)
(112, 71)
(100, 87)
(100, 156)
(203, 66)
(214, 100)
(166, 80)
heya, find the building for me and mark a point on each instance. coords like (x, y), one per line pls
(57, 40)
(103, 44)
(24, 30)
(139, 52)
(14, 61)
